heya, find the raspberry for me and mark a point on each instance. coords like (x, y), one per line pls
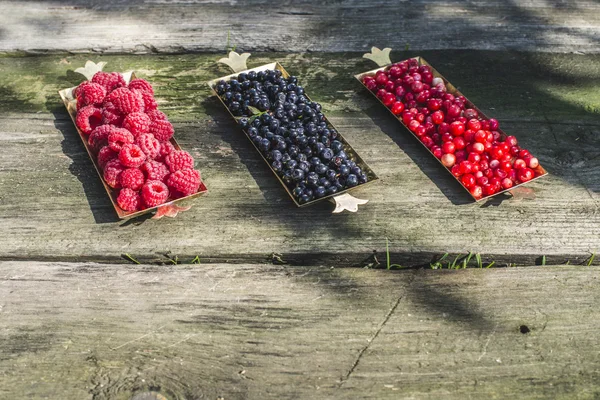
(112, 171)
(155, 171)
(141, 85)
(88, 118)
(90, 93)
(126, 101)
(154, 193)
(184, 182)
(131, 156)
(110, 114)
(99, 137)
(162, 130)
(119, 137)
(132, 178)
(129, 200)
(149, 145)
(157, 115)
(179, 159)
(166, 148)
(137, 123)
(105, 155)
(149, 101)
(110, 80)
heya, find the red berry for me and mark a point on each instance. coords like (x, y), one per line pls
(468, 180)
(112, 171)
(533, 162)
(129, 200)
(482, 180)
(132, 178)
(449, 148)
(88, 118)
(453, 111)
(434, 104)
(489, 190)
(474, 125)
(457, 128)
(155, 171)
(118, 138)
(162, 130)
(131, 156)
(142, 85)
(105, 155)
(381, 78)
(397, 108)
(476, 192)
(388, 99)
(179, 159)
(110, 115)
(413, 125)
(478, 147)
(126, 101)
(89, 93)
(110, 80)
(154, 193)
(448, 160)
(494, 125)
(465, 167)
(471, 114)
(507, 183)
(437, 151)
(510, 141)
(455, 170)
(149, 145)
(480, 136)
(525, 174)
(437, 117)
(459, 143)
(137, 123)
(474, 157)
(99, 137)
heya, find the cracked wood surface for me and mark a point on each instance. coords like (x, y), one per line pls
(149, 26)
(53, 206)
(93, 331)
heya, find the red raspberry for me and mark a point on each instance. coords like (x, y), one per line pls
(142, 85)
(99, 137)
(110, 80)
(157, 115)
(155, 171)
(149, 101)
(90, 93)
(162, 130)
(184, 182)
(129, 200)
(126, 101)
(88, 118)
(110, 114)
(132, 178)
(179, 159)
(105, 155)
(166, 148)
(154, 193)
(112, 171)
(131, 156)
(149, 145)
(119, 137)
(137, 123)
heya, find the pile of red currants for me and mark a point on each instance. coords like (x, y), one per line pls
(484, 160)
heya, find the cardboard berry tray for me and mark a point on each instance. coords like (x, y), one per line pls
(383, 60)
(170, 208)
(343, 200)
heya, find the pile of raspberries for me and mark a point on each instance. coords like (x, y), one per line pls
(130, 138)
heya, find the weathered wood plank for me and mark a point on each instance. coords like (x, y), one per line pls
(183, 25)
(88, 331)
(52, 205)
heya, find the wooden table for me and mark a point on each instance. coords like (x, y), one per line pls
(270, 312)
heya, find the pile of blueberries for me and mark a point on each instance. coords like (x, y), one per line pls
(292, 134)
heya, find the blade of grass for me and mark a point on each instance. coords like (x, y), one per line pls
(387, 252)
(128, 256)
(591, 259)
(478, 258)
(196, 260)
(467, 259)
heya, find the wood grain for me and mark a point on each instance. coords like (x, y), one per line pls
(90, 331)
(53, 207)
(296, 26)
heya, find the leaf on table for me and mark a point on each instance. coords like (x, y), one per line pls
(379, 57)
(90, 69)
(235, 61)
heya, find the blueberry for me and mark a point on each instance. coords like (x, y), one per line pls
(301, 140)
(314, 161)
(332, 189)
(307, 151)
(291, 164)
(304, 199)
(312, 178)
(309, 192)
(356, 170)
(337, 146)
(244, 122)
(331, 174)
(252, 132)
(285, 158)
(298, 192)
(277, 165)
(344, 170)
(287, 177)
(293, 151)
(336, 162)
(304, 166)
(351, 180)
(276, 155)
(324, 182)
(298, 175)
(326, 155)
(320, 191)
(319, 147)
(264, 145)
(363, 178)
(301, 157)
(342, 154)
(321, 169)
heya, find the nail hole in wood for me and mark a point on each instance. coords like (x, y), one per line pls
(524, 329)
